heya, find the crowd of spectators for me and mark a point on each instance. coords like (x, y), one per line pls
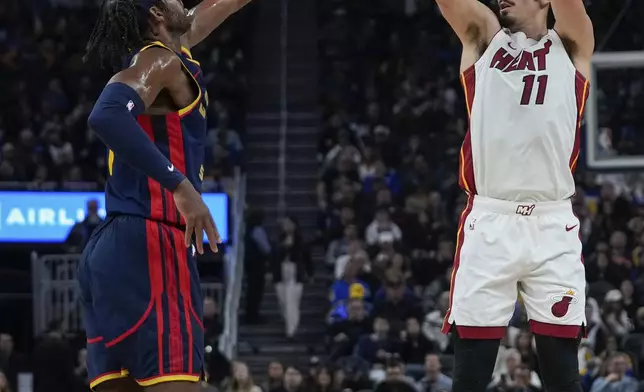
(389, 201)
(48, 93)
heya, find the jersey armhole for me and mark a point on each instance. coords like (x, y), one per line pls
(558, 37)
(486, 51)
(186, 110)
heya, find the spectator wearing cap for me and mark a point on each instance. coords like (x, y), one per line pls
(349, 286)
(614, 378)
(434, 380)
(614, 315)
(375, 347)
(344, 334)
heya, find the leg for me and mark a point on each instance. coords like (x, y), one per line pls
(559, 364)
(474, 361)
(482, 294)
(555, 301)
(177, 386)
(120, 385)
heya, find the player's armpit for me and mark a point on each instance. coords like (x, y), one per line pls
(151, 71)
(207, 16)
(572, 23)
(473, 22)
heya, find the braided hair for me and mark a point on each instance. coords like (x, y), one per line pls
(121, 27)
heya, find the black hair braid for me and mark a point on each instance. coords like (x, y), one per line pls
(119, 30)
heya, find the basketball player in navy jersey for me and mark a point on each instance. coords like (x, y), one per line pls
(138, 274)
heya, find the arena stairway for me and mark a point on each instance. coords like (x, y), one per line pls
(293, 112)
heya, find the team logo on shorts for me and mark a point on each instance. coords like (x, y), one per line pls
(562, 303)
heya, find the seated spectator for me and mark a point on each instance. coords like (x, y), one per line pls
(524, 343)
(395, 378)
(275, 376)
(614, 315)
(357, 254)
(341, 290)
(508, 378)
(323, 381)
(614, 377)
(434, 322)
(344, 334)
(434, 380)
(341, 246)
(382, 223)
(398, 304)
(375, 347)
(241, 379)
(414, 345)
(4, 384)
(293, 381)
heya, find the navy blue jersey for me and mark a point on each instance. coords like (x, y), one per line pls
(180, 136)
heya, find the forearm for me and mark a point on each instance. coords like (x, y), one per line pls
(113, 120)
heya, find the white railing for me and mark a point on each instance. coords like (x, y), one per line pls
(56, 294)
(281, 204)
(234, 271)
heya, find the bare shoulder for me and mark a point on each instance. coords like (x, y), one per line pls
(152, 66)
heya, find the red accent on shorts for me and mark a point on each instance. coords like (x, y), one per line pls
(184, 289)
(174, 322)
(177, 153)
(558, 331)
(156, 281)
(156, 201)
(460, 238)
(466, 165)
(94, 340)
(134, 328)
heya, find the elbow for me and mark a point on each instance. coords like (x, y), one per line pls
(97, 119)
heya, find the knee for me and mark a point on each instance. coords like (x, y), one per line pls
(559, 363)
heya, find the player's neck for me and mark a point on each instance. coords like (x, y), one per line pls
(172, 41)
(532, 29)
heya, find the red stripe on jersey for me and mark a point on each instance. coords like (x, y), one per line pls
(177, 151)
(156, 201)
(156, 280)
(184, 288)
(581, 93)
(466, 164)
(174, 322)
(460, 239)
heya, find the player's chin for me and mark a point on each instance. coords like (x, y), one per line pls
(506, 19)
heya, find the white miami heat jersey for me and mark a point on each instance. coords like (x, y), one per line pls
(525, 102)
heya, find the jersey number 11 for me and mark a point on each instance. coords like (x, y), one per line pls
(528, 86)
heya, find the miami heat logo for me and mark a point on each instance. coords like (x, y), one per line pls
(562, 303)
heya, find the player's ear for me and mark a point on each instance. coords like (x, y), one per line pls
(156, 13)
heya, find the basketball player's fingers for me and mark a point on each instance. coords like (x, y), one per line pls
(213, 235)
(214, 225)
(190, 228)
(199, 236)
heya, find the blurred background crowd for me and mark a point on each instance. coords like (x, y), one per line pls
(388, 202)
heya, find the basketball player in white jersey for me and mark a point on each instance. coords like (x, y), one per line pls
(525, 87)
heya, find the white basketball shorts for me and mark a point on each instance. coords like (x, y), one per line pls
(505, 249)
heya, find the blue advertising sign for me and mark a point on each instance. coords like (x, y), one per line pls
(48, 216)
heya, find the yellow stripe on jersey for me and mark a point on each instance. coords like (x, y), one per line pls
(110, 161)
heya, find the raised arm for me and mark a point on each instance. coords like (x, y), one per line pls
(127, 95)
(574, 26)
(207, 16)
(474, 24)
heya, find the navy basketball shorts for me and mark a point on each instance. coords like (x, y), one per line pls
(142, 303)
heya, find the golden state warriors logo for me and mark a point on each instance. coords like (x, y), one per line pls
(562, 303)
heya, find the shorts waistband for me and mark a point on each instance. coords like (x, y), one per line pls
(522, 208)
